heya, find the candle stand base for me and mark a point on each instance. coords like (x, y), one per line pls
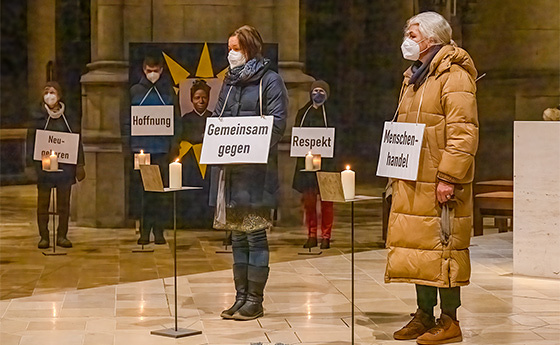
(143, 250)
(53, 253)
(176, 333)
(310, 252)
(225, 251)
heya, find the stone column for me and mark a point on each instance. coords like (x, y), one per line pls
(101, 201)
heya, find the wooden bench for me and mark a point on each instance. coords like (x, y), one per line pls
(493, 186)
(493, 204)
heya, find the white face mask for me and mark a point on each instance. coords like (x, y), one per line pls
(411, 50)
(236, 58)
(153, 77)
(50, 99)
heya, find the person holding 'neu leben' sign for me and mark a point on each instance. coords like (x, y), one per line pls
(53, 116)
(248, 192)
(313, 114)
(430, 221)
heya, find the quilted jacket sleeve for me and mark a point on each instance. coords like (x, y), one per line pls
(460, 109)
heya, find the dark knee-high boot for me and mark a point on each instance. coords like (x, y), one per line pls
(241, 286)
(43, 223)
(252, 309)
(145, 230)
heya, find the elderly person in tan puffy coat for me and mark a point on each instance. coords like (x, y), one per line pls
(430, 220)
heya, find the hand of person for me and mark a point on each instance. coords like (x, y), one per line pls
(80, 173)
(444, 191)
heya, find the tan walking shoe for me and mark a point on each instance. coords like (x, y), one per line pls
(420, 323)
(446, 331)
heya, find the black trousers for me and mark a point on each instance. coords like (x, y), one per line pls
(426, 297)
(62, 209)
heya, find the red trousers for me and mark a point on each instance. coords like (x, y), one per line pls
(327, 215)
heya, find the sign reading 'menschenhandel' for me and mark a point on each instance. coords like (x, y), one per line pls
(318, 140)
(151, 120)
(400, 150)
(64, 145)
(230, 140)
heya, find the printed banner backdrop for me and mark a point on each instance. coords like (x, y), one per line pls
(187, 62)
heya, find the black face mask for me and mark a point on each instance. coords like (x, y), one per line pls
(318, 98)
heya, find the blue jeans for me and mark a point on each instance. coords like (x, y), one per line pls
(250, 248)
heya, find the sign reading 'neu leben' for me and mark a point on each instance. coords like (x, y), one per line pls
(64, 145)
(400, 150)
(236, 140)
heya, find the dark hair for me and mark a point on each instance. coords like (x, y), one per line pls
(153, 60)
(199, 84)
(250, 41)
(56, 86)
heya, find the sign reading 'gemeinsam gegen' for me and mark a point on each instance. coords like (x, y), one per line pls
(236, 140)
(400, 150)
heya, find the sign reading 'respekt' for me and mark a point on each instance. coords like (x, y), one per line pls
(400, 150)
(317, 140)
(236, 140)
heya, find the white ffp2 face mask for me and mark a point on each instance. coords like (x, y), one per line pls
(236, 58)
(50, 99)
(410, 49)
(153, 77)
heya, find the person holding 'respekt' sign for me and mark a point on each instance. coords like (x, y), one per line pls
(52, 115)
(244, 194)
(313, 114)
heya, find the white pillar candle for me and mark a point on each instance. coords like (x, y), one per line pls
(141, 158)
(175, 175)
(309, 161)
(317, 162)
(53, 161)
(348, 183)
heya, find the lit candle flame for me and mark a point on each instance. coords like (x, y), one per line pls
(177, 160)
(347, 167)
(141, 152)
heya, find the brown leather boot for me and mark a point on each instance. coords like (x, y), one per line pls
(446, 331)
(420, 323)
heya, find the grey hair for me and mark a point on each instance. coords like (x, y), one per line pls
(432, 26)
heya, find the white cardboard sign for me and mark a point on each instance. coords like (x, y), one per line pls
(401, 144)
(65, 145)
(236, 140)
(318, 140)
(151, 120)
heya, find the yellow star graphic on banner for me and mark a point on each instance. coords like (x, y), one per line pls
(206, 72)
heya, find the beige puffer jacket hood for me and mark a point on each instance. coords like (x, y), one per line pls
(418, 251)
